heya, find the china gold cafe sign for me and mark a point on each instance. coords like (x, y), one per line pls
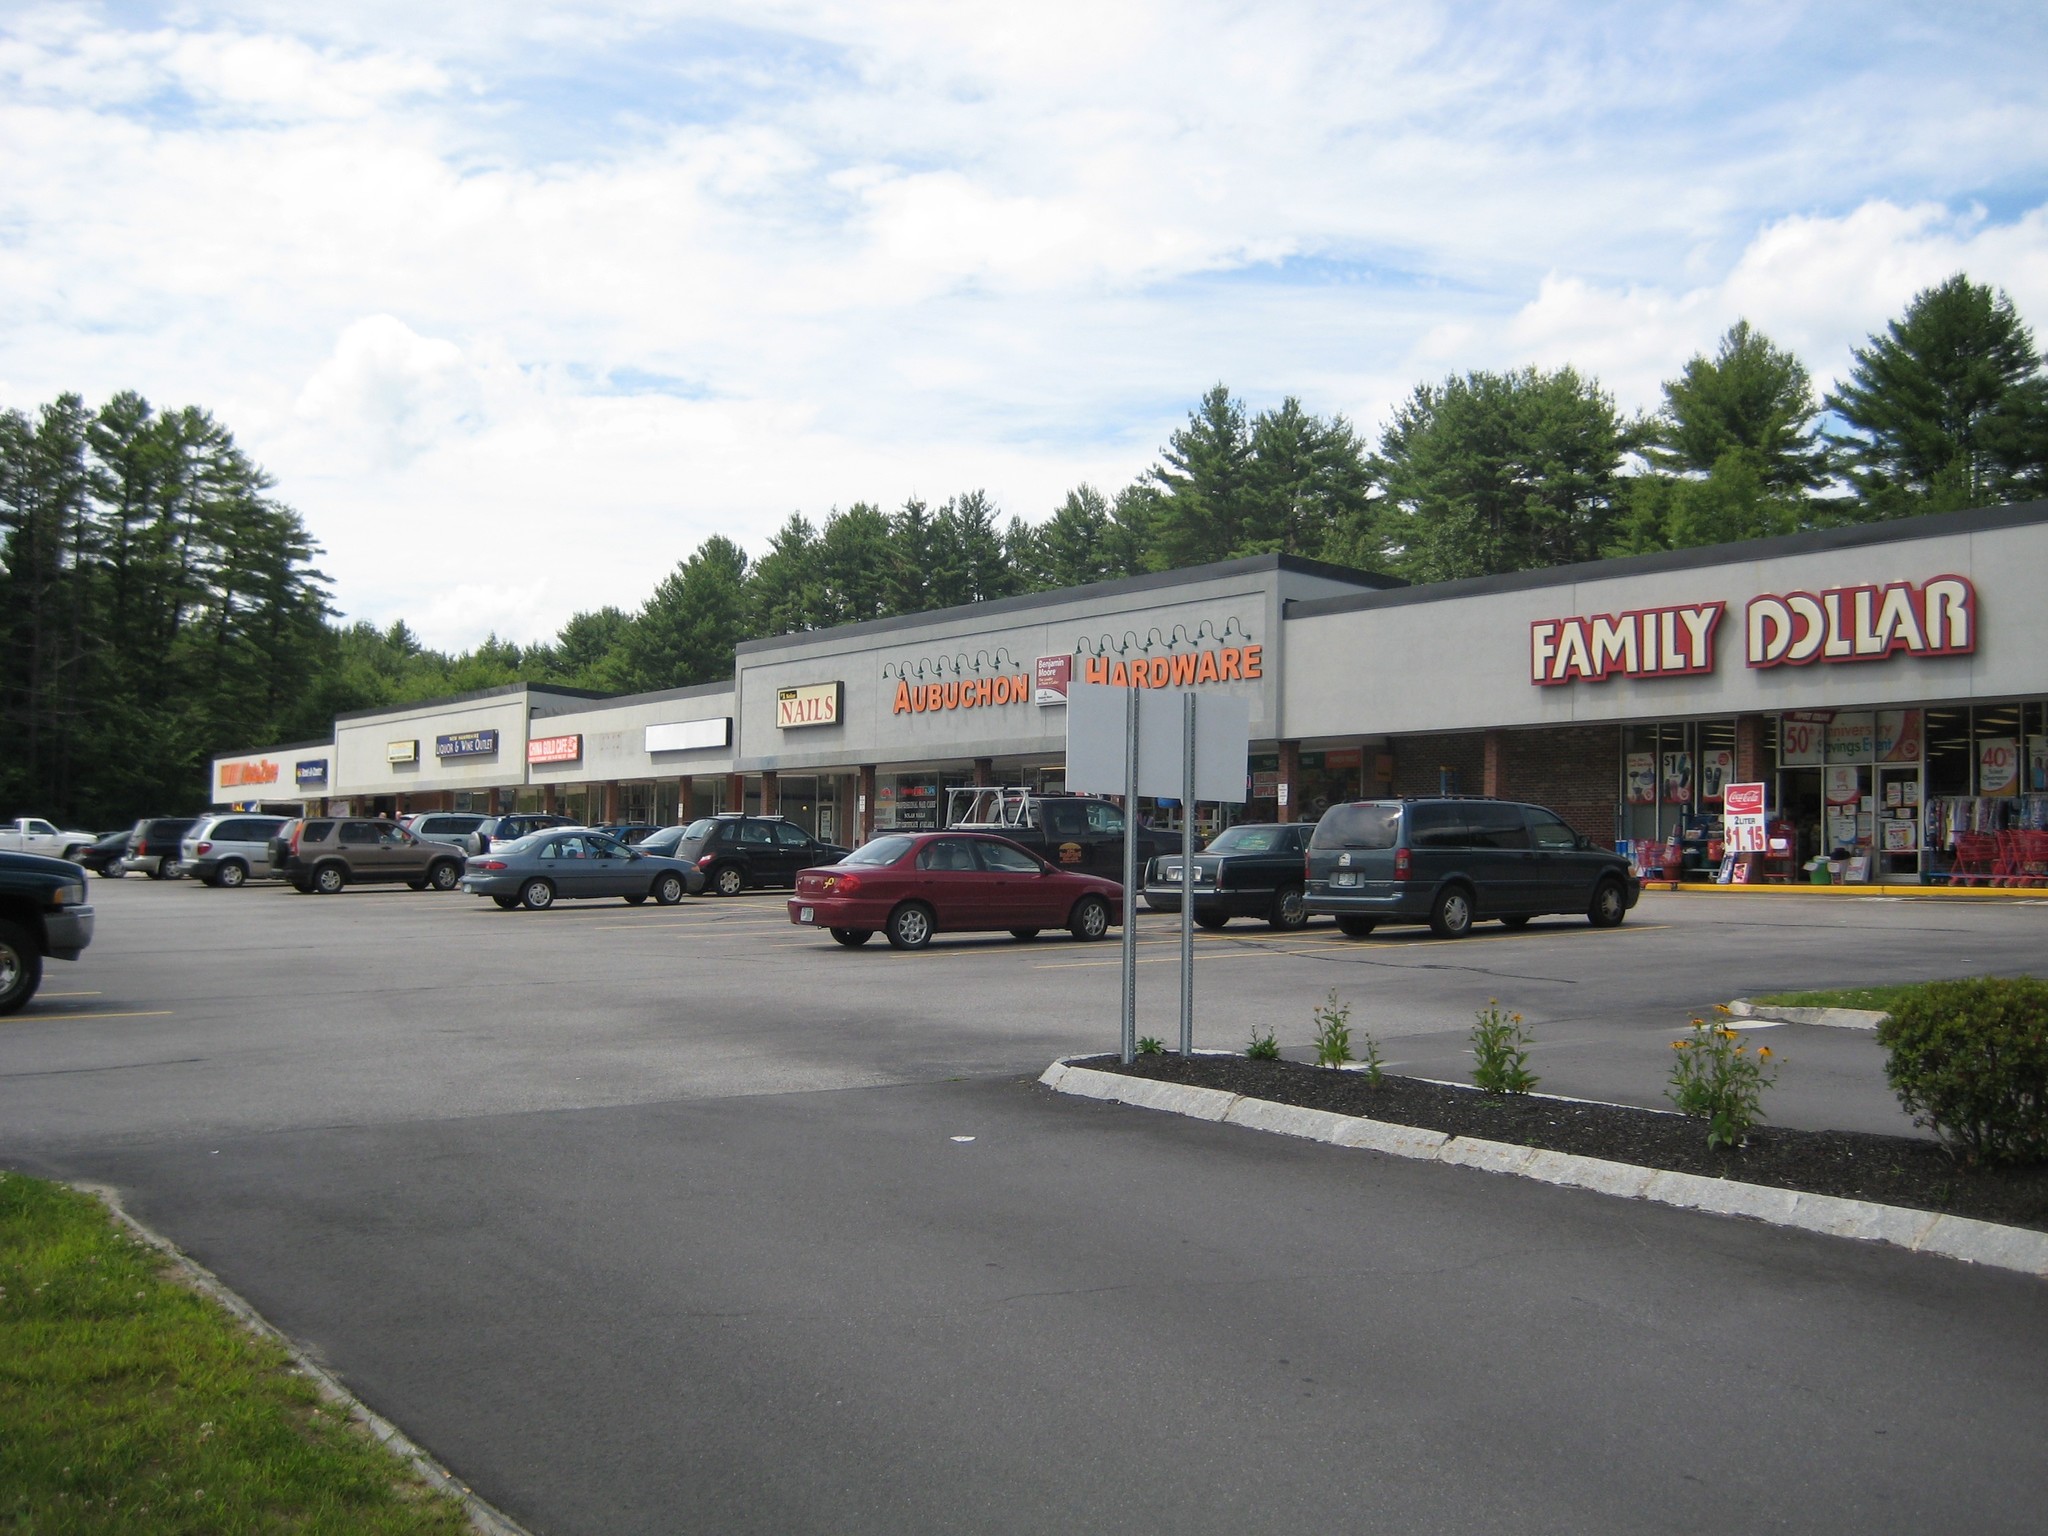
(1792, 629)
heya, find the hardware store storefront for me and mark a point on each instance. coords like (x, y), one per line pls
(1888, 684)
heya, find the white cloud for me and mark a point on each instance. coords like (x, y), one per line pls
(541, 295)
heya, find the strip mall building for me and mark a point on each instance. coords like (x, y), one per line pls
(1887, 683)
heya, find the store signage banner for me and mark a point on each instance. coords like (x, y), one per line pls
(1678, 778)
(1852, 738)
(1899, 735)
(401, 751)
(811, 704)
(466, 744)
(1844, 786)
(1646, 642)
(255, 771)
(312, 771)
(1716, 768)
(1743, 819)
(967, 693)
(554, 749)
(1049, 679)
(1863, 623)
(1186, 669)
(690, 735)
(1642, 778)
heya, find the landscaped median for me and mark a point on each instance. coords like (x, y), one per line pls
(1889, 1189)
(138, 1397)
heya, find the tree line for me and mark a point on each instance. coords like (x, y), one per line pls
(161, 606)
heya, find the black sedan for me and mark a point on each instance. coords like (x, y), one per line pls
(104, 857)
(1253, 869)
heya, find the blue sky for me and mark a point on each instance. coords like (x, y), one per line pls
(520, 303)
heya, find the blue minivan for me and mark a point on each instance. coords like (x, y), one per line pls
(1451, 861)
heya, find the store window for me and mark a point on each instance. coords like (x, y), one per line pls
(1674, 774)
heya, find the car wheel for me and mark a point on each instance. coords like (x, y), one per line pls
(1451, 916)
(1356, 927)
(231, 874)
(416, 885)
(853, 938)
(1288, 912)
(21, 967)
(910, 926)
(329, 879)
(506, 903)
(1609, 906)
(1520, 920)
(536, 895)
(303, 887)
(730, 880)
(1090, 920)
(1024, 935)
(445, 875)
(111, 873)
(669, 889)
(159, 869)
(1211, 919)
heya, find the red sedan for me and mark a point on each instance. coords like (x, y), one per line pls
(913, 885)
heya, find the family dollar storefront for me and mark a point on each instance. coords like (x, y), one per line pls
(1886, 683)
(867, 727)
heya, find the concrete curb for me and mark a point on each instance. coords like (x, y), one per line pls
(1833, 1018)
(2020, 1249)
(1852, 892)
(483, 1517)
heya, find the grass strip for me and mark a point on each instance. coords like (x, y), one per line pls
(129, 1402)
(1876, 999)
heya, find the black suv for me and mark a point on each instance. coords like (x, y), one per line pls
(737, 852)
(1452, 861)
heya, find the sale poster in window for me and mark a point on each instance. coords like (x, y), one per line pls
(1716, 768)
(1899, 735)
(1801, 743)
(1678, 778)
(1844, 786)
(1642, 778)
(1998, 766)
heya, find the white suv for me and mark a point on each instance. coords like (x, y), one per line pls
(230, 850)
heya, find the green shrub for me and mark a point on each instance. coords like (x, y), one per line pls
(1500, 1054)
(1264, 1047)
(1969, 1060)
(1715, 1078)
(1151, 1045)
(1333, 1032)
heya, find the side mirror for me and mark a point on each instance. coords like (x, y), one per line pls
(1585, 843)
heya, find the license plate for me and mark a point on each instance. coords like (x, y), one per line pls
(1344, 877)
(806, 915)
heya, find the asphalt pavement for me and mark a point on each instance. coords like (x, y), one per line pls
(683, 1219)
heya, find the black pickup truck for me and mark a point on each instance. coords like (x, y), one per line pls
(1072, 831)
(43, 911)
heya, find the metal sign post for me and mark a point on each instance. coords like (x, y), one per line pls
(1125, 741)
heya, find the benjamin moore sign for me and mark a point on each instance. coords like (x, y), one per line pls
(466, 744)
(312, 770)
(811, 704)
(401, 751)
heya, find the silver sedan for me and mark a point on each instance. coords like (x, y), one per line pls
(575, 863)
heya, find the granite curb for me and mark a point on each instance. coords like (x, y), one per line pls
(2020, 1249)
(483, 1516)
(1832, 1018)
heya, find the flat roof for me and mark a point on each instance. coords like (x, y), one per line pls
(1935, 525)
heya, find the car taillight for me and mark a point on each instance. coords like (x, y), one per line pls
(704, 860)
(491, 864)
(1401, 871)
(297, 832)
(206, 847)
(842, 885)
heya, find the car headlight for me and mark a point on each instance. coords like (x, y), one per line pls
(68, 896)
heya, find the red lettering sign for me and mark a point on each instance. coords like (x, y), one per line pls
(1863, 623)
(1644, 642)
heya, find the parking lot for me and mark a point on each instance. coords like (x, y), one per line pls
(654, 1218)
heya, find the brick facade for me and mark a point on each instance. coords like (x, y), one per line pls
(1573, 769)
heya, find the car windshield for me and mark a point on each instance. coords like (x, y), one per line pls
(663, 841)
(1247, 839)
(699, 829)
(516, 845)
(883, 850)
(1369, 824)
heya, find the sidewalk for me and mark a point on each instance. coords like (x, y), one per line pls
(1852, 892)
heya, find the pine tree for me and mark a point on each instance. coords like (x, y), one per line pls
(1947, 409)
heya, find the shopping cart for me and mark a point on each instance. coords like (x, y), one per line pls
(1976, 859)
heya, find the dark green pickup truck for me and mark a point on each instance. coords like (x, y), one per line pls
(43, 911)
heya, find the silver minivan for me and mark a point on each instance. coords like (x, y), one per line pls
(230, 850)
